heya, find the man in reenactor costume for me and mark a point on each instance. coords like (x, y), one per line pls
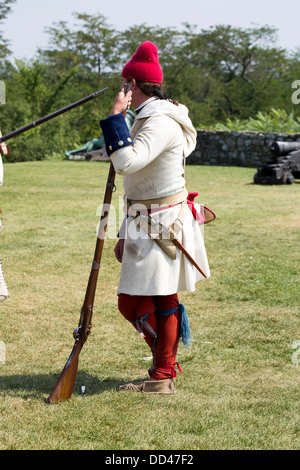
(4, 150)
(152, 157)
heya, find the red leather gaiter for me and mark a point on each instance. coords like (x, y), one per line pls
(157, 319)
(168, 334)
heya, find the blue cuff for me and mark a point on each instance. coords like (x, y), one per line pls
(115, 132)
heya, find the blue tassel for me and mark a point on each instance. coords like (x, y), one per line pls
(185, 333)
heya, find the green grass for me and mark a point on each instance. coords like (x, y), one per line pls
(239, 388)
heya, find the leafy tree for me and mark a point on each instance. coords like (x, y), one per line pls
(5, 9)
(91, 44)
(276, 120)
(222, 74)
(227, 70)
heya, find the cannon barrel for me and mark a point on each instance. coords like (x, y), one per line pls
(284, 148)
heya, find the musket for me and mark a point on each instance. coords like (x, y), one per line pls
(52, 115)
(64, 386)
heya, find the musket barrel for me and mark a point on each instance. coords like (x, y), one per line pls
(52, 115)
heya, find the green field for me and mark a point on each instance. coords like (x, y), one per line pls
(240, 383)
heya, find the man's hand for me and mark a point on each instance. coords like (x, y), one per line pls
(119, 250)
(122, 102)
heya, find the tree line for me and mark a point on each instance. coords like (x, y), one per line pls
(221, 73)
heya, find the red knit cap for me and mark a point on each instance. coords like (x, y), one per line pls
(144, 65)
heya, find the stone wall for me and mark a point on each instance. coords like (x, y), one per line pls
(226, 148)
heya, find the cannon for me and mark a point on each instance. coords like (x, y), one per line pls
(283, 167)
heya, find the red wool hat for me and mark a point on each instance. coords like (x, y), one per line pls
(144, 65)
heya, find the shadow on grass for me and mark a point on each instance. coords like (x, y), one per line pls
(33, 386)
(251, 183)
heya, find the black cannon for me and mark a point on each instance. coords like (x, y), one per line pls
(283, 167)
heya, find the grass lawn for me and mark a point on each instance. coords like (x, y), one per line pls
(240, 383)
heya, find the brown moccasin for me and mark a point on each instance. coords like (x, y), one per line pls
(137, 386)
(166, 386)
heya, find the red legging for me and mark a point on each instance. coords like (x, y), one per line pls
(161, 332)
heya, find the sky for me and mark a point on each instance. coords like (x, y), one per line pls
(25, 25)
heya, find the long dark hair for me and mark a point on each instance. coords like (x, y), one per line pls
(154, 89)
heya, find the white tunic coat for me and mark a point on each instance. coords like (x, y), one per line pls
(153, 168)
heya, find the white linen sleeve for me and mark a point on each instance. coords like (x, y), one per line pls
(156, 136)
